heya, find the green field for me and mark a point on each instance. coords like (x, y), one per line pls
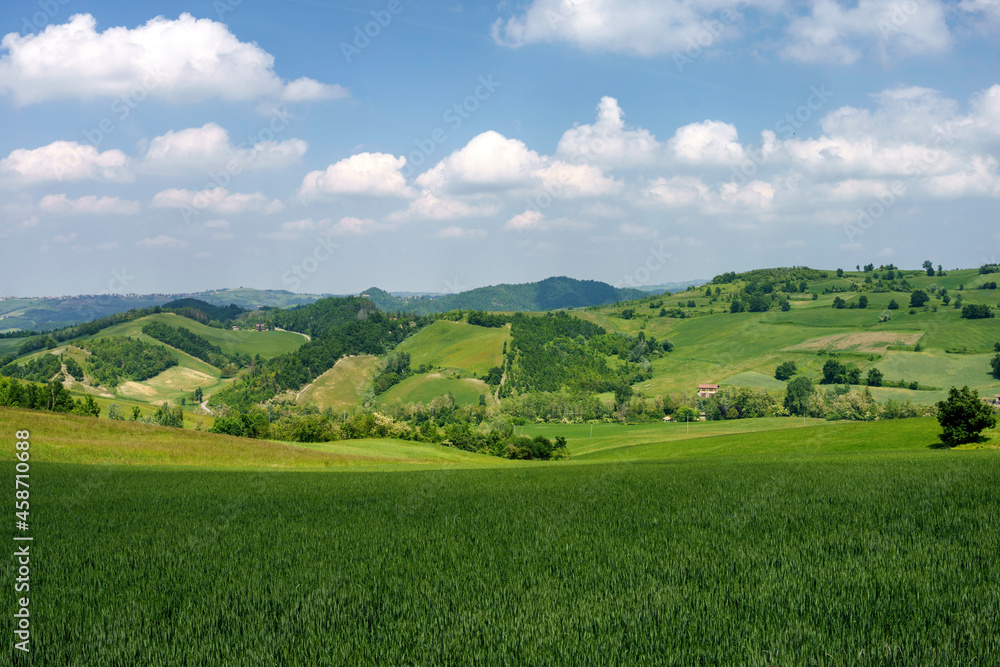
(265, 343)
(342, 386)
(456, 346)
(832, 544)
(424, 388)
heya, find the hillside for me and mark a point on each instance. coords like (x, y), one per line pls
(548, 294)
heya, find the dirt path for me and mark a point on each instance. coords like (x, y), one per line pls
(307, 336)
(204, 406)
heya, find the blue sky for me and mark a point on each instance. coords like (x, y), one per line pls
(167, 147)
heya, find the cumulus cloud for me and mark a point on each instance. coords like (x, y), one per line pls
(710, 142)
(162, 241)
(216, 200)
(608, 142)
(186, 59)
(371, 174)
(67, 161)
(209, 147)
(639, 27)
(429, 207)
(841, 34)
(60, 204)
(530, 219)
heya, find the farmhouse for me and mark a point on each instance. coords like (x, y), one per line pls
(707, 390)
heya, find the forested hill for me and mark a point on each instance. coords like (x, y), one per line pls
(548, 294)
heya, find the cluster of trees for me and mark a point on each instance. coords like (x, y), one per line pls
(49, 396)
(861, 303)
(986, 269)
(441, 422)
(989, 285)
(977, 311)
(42, 368)
(397, 368)
(116, 359)
(553, 351)
(165, 415)
(204, 312)
(481, 318)
(195, 345)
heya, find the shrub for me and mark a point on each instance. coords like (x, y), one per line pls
(976, 311)
(918, 298)
(963, 416)
(785, 371)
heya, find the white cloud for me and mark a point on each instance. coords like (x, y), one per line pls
(832, 32)
(640, 27)
(454, 232)
(490, 161)
(216, 200)
(65, 238)
(208, 147)
(608, 142)
(677, 190)
(373, 174)
(429, 207)
(523, 221)
(577, 180)
(186, 59)
(305, 89)
(350, 226)
(60, 204)
(162, 241)
(642, 231)
(67, 161)
(710, 142)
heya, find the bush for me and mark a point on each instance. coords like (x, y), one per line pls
(976, 311)
(963, 416)
(893, 305)
(785, 371)
(839, 303)
(918, 298)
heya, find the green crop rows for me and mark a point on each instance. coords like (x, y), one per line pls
(838, 559)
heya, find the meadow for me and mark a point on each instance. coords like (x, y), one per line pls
(871, 556)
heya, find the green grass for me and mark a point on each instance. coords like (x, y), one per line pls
(265, 343)
(456, 346)
(85, 440)
(864, 557)
(426, 387)
(755, 379)
(343, 385)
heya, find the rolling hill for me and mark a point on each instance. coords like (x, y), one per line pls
(548, 294)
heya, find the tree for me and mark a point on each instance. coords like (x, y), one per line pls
(869, 267)
(929, 267)
(863, 302)
(995, 365)
(893, 305)
(199, 396)
(115, 412)
(874, 378)
(976, 311)
(918, 298)
(840, 273)
(963, 416)
(833, 372)
(946, 299)
(839, 303)
(623, 392)
(797, 395)
(785, 371)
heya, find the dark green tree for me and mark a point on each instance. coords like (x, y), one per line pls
(785, 371)
(862, 301)
(893, 305)
(963, 416)
(995, 365)
(928, 267)
(918, 298)
(874, 378)
(797, 395)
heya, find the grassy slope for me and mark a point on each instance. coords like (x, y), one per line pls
(63, 438)
(425, 388)
(343, 385)
(456, 346)
(265, 343)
